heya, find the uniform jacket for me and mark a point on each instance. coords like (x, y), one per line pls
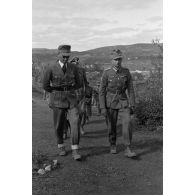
(116, 89)
(82, 81)
(82, 76)
(54, 77)
(88, 94)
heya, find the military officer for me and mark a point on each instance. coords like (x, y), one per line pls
(95, 99)
(81, 93)
(82, 77)
(61, 81)
(88, 100)
(117, 93)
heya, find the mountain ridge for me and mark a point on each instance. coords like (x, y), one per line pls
(137, 55)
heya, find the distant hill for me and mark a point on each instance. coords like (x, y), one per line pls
(136, 56)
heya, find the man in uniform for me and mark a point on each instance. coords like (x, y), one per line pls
(61, 81)
(81, 93)
(95, 99)
(117, 93)
(82, 77)
(88, 100)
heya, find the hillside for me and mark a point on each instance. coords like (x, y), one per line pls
(137, 56)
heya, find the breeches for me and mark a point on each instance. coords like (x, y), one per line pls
(82, 112)
(59, 117)
(127, 125)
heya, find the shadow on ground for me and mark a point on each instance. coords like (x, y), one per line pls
(98, 121)
(146, 146)
(102, 133)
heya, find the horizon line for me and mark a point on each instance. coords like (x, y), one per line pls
(93, 48)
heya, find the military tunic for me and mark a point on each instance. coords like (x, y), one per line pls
(82, 82)
(117, 93)
(113, 89)
(61, 86)
(63, 99)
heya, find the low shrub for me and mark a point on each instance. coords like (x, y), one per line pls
(149, 110)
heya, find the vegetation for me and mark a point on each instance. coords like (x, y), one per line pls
(38, 159)
(149, 110)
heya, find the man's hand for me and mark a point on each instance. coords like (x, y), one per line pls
(104, 111)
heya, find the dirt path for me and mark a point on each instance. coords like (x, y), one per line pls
(99, 172)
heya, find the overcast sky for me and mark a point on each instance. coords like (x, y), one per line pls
(88, 24)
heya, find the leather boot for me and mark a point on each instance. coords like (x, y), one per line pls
(113, 149)
(76, 155)
(62, 151)
(128, 153)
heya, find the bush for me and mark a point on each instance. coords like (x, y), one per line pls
(149, 111)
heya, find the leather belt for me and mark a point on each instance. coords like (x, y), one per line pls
(62, 88)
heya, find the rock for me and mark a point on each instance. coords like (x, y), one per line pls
(48, 168)
(41, 171)
(55, 162)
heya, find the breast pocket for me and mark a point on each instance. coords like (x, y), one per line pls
(112, 81)
(70, 79)
(57, 79)
(110, 78)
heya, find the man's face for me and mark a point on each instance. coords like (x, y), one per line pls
(63, 58)
(76, 62)
(117, 62)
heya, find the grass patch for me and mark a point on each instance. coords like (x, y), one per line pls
(38, 159)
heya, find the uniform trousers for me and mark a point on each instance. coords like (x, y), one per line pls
(59, 118)
(127, 125)
(82, 112)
